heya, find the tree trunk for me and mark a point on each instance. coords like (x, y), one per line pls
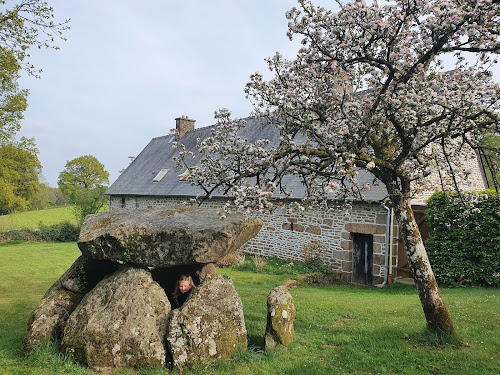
(436, 314)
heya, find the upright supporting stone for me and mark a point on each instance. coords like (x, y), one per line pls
(49, 318)
(280, 316)
(210, 325)
(47, 321)
(120, 323)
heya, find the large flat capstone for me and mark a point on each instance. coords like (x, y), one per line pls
(165, 237)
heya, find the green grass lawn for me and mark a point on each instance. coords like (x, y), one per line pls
(342, 329)
(31, 219)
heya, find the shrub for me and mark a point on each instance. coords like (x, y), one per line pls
(20, 235)
(314, 253)
(60, 232)
(240, 259)
(259, 261)
(464, 243)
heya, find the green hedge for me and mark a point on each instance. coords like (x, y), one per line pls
(464, 243)
(60, 232)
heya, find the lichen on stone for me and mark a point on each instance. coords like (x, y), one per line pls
(280, 318)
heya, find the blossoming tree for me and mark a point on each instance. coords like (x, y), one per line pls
(367, 91)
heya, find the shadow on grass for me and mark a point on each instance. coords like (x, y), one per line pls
(435, 339)
(424, 338)
(11, 242)
(256, 342)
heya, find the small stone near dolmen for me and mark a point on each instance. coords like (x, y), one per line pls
(48, 319)
(165, 237)
(210, 325)
(280, 317)
(120, 323)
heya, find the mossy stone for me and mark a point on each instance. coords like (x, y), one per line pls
(280, 318)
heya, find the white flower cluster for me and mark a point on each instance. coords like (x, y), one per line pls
(413, 121)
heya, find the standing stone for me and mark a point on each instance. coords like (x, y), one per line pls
(120, 323)
(165, 237)
(209, 325)
(280, 316)
(48, 319)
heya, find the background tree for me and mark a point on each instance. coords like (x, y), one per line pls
(84, 181)
(19, 169)
(413, 119)
(24, 24)
(13, 101)
(19, 164)
(89, 201)
(48, 197)
(55, 197)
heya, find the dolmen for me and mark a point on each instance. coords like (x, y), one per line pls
(114, 307)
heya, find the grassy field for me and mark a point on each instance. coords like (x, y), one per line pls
(31, 219)
(342, 329)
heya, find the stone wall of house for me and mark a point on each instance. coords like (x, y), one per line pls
(285, 234)
(471, 178)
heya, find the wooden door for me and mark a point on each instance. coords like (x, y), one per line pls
(362, 258)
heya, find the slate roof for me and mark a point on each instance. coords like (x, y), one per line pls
(137, 179)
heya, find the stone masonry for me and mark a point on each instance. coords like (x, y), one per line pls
(284, 234)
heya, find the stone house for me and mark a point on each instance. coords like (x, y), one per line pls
(356, 240)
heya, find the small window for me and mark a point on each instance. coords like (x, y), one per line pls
(160, 175)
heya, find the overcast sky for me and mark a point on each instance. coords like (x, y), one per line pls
(129, 68)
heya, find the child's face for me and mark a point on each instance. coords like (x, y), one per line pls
(184, 286)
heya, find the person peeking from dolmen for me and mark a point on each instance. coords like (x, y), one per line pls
(183, 289)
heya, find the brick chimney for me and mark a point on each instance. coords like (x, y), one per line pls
(184, 124)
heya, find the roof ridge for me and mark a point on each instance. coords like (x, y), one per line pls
(203, 128)
(161, 137)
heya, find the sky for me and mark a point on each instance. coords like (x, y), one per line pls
(129, 68)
